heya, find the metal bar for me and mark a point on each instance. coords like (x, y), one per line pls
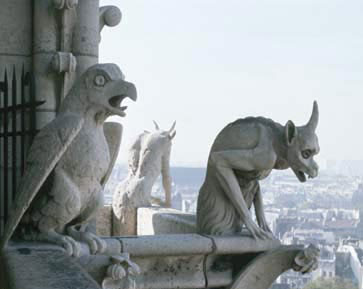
(18, 133)
(2, 220)
(33, 105)
(13, 139)
(6, 129)
(26, 105)
(22, 122)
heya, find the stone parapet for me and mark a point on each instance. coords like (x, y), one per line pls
(165, 261)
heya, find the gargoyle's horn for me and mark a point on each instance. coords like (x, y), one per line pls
(314, 119)
(156, 125)
(172, 135)
(172, 127)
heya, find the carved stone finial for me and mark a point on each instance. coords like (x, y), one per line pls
(110, 16)
(307, 261)
(64, 62)
(120, 272)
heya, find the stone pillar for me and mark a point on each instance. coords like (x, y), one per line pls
(91, 20)
(52, 58)
(86, 35)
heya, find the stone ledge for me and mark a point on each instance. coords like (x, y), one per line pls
(44, 267)
(166, 261)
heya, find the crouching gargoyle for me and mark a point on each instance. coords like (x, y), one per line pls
(243, 153)
(68, 163)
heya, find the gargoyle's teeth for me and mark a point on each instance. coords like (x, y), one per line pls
(301, 176)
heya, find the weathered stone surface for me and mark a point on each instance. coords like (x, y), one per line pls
(233, 244)
(243, 153)
(16, 28)
(126, 225)
(149, 156)
(172, 261)
(167, 245)
(44, 268)
(263, 270)
(104, 221)
(68, 164)
(157, 220)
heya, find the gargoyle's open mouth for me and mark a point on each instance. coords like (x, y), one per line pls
(115, 103)
(301, 176)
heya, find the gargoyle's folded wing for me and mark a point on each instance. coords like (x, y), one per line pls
(48, 147)
(113, 134)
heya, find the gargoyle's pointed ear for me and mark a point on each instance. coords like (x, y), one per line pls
(290, 132)
(314, 119)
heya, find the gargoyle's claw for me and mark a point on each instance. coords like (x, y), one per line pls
(96, 244)
(72, 247)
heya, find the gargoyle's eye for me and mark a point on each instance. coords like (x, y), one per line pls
(100, 80)
(306, 154)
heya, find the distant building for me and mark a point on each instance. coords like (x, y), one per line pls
(355, 261)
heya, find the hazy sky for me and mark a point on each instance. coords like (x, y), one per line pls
(206, 63)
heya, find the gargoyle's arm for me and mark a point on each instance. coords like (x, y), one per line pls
(260, 214)
(165, 173)
(258, 159)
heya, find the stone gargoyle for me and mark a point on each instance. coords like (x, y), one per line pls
(68, 164)
(243, 153)
(149, 156)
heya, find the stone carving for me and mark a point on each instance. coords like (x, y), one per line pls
(243, 153)
(307, 261)
(149, 156)
(68, 164)
(120, 273)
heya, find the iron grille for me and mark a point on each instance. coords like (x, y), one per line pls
(17, 129)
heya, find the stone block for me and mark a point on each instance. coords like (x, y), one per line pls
(156, 220)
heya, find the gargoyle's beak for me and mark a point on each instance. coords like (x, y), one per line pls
(118, 91)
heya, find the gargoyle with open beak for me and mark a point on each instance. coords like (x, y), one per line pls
(68, 163)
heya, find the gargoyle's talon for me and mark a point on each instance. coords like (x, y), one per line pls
(71, 247)
(101, 245)
(93, 247)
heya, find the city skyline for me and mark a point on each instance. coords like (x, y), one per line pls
(204, 65)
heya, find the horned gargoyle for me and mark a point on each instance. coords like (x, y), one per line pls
(68, 163)
(149, 156)
(243, 153)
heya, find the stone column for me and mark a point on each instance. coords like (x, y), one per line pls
(51, 54)
(91, 20)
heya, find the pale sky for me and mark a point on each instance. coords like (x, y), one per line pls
(205, 63)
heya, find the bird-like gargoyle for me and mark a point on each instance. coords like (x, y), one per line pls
(243, 153)
(68, 163)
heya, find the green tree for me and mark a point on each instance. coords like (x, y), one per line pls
(331, 283)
